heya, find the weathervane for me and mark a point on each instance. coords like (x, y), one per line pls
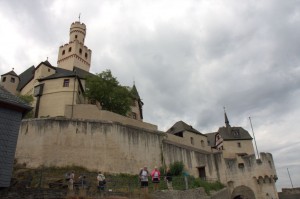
(79, 17)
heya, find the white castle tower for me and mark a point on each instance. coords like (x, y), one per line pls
(75, 53)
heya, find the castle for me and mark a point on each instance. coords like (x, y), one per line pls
(100, 140)
(56, 88)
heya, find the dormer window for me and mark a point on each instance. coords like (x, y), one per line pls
(235, 133)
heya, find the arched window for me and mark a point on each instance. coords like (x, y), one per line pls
(80, 51)
(75, 36)
(63, 52)
(86, 55)
(70, 49)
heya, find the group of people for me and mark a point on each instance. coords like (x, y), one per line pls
(155, 177)
(70, 179)
(143, 177)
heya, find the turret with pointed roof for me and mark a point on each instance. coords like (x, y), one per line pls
(10, 81)
(137, 108)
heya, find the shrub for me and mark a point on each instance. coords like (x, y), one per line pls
(207, 185)
(176, 168)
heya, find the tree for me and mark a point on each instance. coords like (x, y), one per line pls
(105, 88)
(28, 99)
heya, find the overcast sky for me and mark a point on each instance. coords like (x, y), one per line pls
(188, 59)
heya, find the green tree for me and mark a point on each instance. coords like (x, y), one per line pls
(28, 99)
(105, 88)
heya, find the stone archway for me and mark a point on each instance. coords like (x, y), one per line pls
(242, 192)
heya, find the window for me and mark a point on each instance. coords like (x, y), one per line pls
(3, 79)
(66, 82)
(63, 52)
(86, 55)
(133, 115)
(48, 69)
(70, 49)
(241, 165)
(75, 36)
(80, 51)
(192, 140)
(202, 143)
(12, 80)
(239, 145)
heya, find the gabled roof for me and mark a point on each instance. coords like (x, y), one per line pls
(61, 73)
(229, 133)
(12, 72)
(46, 63)
(25, 77)
(234, 133)
(181, 126)
(9, 100)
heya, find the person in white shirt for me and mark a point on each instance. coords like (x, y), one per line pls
(144, 174)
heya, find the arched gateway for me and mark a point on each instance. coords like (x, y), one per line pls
(242, 192)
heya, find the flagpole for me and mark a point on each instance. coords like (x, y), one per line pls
(290, 177)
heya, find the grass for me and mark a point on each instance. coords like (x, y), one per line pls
(119, 183)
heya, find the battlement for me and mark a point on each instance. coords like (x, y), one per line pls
(262, 170)
(78, 24)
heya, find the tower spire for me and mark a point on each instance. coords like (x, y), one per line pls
(226, 118)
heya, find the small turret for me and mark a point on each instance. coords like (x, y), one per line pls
(10, 81)
(77, 32)
(137, 106)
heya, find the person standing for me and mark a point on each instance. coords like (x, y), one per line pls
(101, 181)
(71, 180)
(155, 174)
(144, 179)
(168, 178)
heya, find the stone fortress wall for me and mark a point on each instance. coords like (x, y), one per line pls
(123, 148)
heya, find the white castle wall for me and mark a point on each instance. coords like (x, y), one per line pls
(105, 146)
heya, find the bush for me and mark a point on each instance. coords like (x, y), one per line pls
(207, 186)
(176, 168)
